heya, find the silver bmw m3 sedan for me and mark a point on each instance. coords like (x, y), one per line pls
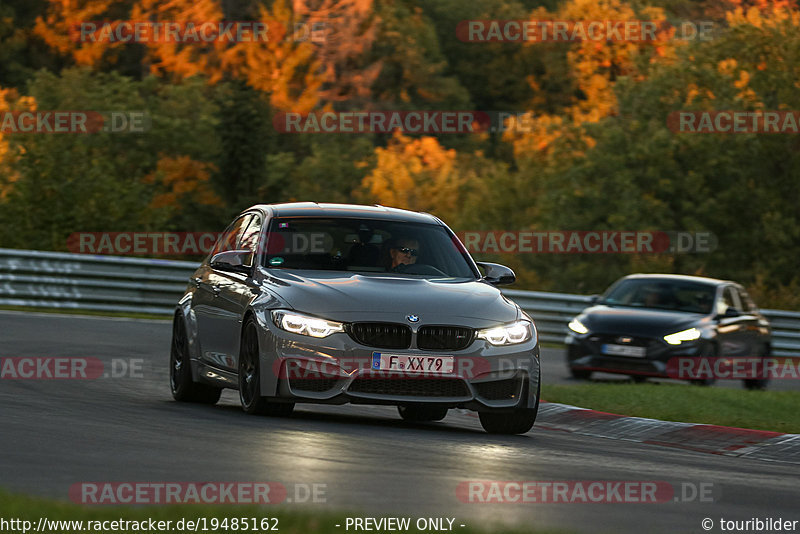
(334, 303)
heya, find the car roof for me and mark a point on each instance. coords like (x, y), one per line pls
(680, 277)
(356, 211)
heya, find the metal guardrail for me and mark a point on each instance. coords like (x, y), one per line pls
(85, 282)
(111, 283)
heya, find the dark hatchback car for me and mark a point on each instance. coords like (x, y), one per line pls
(645, 322)
(332, 303)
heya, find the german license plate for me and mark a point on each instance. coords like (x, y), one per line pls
(409, 363)
(624, 350)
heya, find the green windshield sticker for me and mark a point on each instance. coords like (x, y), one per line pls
(276, 261)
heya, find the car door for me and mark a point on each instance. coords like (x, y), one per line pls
(236, 291)
(752, 328)
(730, 329)
(213, 311)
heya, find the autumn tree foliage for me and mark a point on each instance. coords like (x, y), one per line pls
(343, 33)
(595, 65)
(10, 101)
(592, 151)
(57, 27)
(637, 173)
(280, 65)
(416, 173)
(182, 181)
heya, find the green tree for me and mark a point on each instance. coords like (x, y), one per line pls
(97, 181)
(630, 171)
(414, 70)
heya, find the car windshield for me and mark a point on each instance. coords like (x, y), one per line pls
(662, 294)
(365, 245)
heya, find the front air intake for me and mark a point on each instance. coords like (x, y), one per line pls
(381, 335)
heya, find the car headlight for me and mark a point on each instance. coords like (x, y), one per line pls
(305, 324)
(577, 327)
(509, 334)
(684, 335)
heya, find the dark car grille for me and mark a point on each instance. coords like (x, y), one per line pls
(315, 385)
(444, 337)
(621, 363)
(499, 389)
(411, 387)
(617, 339)
(381, 335)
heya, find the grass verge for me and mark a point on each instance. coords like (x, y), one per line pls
(301, 520)
(760, 410)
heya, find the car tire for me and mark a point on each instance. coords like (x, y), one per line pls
(518, 421)
(422, 413)
(580, 374)
(182, 386)
(757, 384)
(710, 352)
(249, 377)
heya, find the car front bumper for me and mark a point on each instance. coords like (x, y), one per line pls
(585, 353)
(337, 370)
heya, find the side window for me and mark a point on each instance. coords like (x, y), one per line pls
(747, 303)
(230, 237)
(249, 236)
(728, 300)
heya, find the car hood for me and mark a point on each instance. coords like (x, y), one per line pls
(349, 297)
(637, 321)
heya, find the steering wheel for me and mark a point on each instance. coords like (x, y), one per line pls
(418, 268)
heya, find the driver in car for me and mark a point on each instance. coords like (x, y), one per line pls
(402, 253)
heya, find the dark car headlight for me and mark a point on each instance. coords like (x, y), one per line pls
(306, 325)
(578, 327)
(508, 334)
(684, 335)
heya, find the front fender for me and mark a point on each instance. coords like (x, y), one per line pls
(268, 358)
(535, 383)
(186, 312)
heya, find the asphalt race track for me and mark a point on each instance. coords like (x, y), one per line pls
(55, 433)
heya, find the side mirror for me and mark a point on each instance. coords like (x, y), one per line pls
(729, 313)
(497, 274)
(594, 299)
(236, 261)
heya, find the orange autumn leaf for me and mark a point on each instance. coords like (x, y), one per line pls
(417, 174)
(178, 179)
